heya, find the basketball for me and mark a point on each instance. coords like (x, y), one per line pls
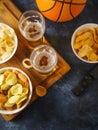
(61, 10)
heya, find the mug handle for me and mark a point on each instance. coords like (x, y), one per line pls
(27, 63)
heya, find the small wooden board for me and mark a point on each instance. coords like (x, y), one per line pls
(9, 14)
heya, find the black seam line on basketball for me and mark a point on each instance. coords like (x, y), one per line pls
(50, 8)
(70, 10)
(60, 10)
(70, 2)
(61, 2)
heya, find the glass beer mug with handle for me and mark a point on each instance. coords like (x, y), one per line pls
(32, 27)
(43, 59)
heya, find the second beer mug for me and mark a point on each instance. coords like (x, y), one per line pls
(32, 27)
(43, 59)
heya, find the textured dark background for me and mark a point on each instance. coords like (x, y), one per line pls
(60, 109)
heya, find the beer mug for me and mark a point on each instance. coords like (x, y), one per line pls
(43, 59)
(32, 27)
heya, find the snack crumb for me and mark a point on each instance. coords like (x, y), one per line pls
(40, 91)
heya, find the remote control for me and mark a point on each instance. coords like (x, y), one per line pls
(84, 83)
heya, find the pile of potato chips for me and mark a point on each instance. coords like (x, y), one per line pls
(86, 44)
(14, 90)
(7, 41)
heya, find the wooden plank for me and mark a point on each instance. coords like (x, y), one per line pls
(10, 16)
(13, 9)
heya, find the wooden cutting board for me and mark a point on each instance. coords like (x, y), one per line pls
(10, 14)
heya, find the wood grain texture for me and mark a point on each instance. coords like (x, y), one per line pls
(10, 16)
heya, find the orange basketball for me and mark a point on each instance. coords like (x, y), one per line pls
(61, 10)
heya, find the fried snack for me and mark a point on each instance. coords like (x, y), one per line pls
(83, 36)
(96, 30)
(95, 35)
(40, 90)
(7, 42)
(84, 51)
(92, 56)
(22, 77)
(82, 31)
(14, 89)
(3, 98)
(86, 44)
(11, 79)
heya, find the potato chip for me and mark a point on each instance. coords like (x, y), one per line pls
(1, 105)
(96, 30)
(26, 84)
(8, 105)
(23, 96)
(5, 86)
(9, 94)
(16, 89)
(1, 79)
(21, 99)
(95, 37)
(22, 77)
(6, 73)
(2, 51)
(78, 45)
(95, 46)
(13, 99)
(19, 105)
(3, 98)
(82, 31)
(25, 90)
(92, 57)
(5, 55)
(83, 36)
(11, 79)
(84, 51)
(88, 42)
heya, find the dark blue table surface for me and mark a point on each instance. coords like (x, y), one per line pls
(60, 109)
